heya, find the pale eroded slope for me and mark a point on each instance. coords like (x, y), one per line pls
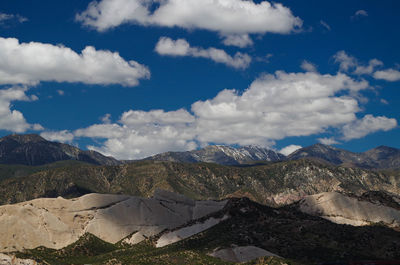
(342, 209)
(56, 223)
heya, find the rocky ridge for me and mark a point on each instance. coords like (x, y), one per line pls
(382, 157)
(223, 155)
(273, 184)
(33, 150)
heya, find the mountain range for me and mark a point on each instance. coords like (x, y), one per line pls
(34, 150)
(382, 157)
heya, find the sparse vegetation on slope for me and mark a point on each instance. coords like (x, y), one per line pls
(143, 253)
(17, 171)
(272, 184)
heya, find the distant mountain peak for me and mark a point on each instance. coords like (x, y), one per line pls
(24, 138)
(384, 148)
(32, 149)
(324, 146)
(222, 154)
(379, 157)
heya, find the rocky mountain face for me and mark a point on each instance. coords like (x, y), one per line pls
(272, 184)
(382, 157)
(223, 155)
(197, 232)
(325, 152)
(32, 149)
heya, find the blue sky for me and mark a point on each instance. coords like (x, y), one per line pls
(133, 78)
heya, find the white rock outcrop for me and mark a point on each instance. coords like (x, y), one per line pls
(187, 231)
(56, 223)
(342, 209)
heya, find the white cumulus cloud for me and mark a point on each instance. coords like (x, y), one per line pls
(368, 124)
(139, 133)
(63, 136)
(273, 107)
(181, 47)
(348, 63)
(289, 149)
(328, 141)
(238, 40)
(104, 130)
(7, 18)
(388, 75)
(132, 118)
(277, 106)
(345, 61)
(106, 118)
(226, 17)
(10, 119)
(309, 67)
(368, 69)
(30, 63)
